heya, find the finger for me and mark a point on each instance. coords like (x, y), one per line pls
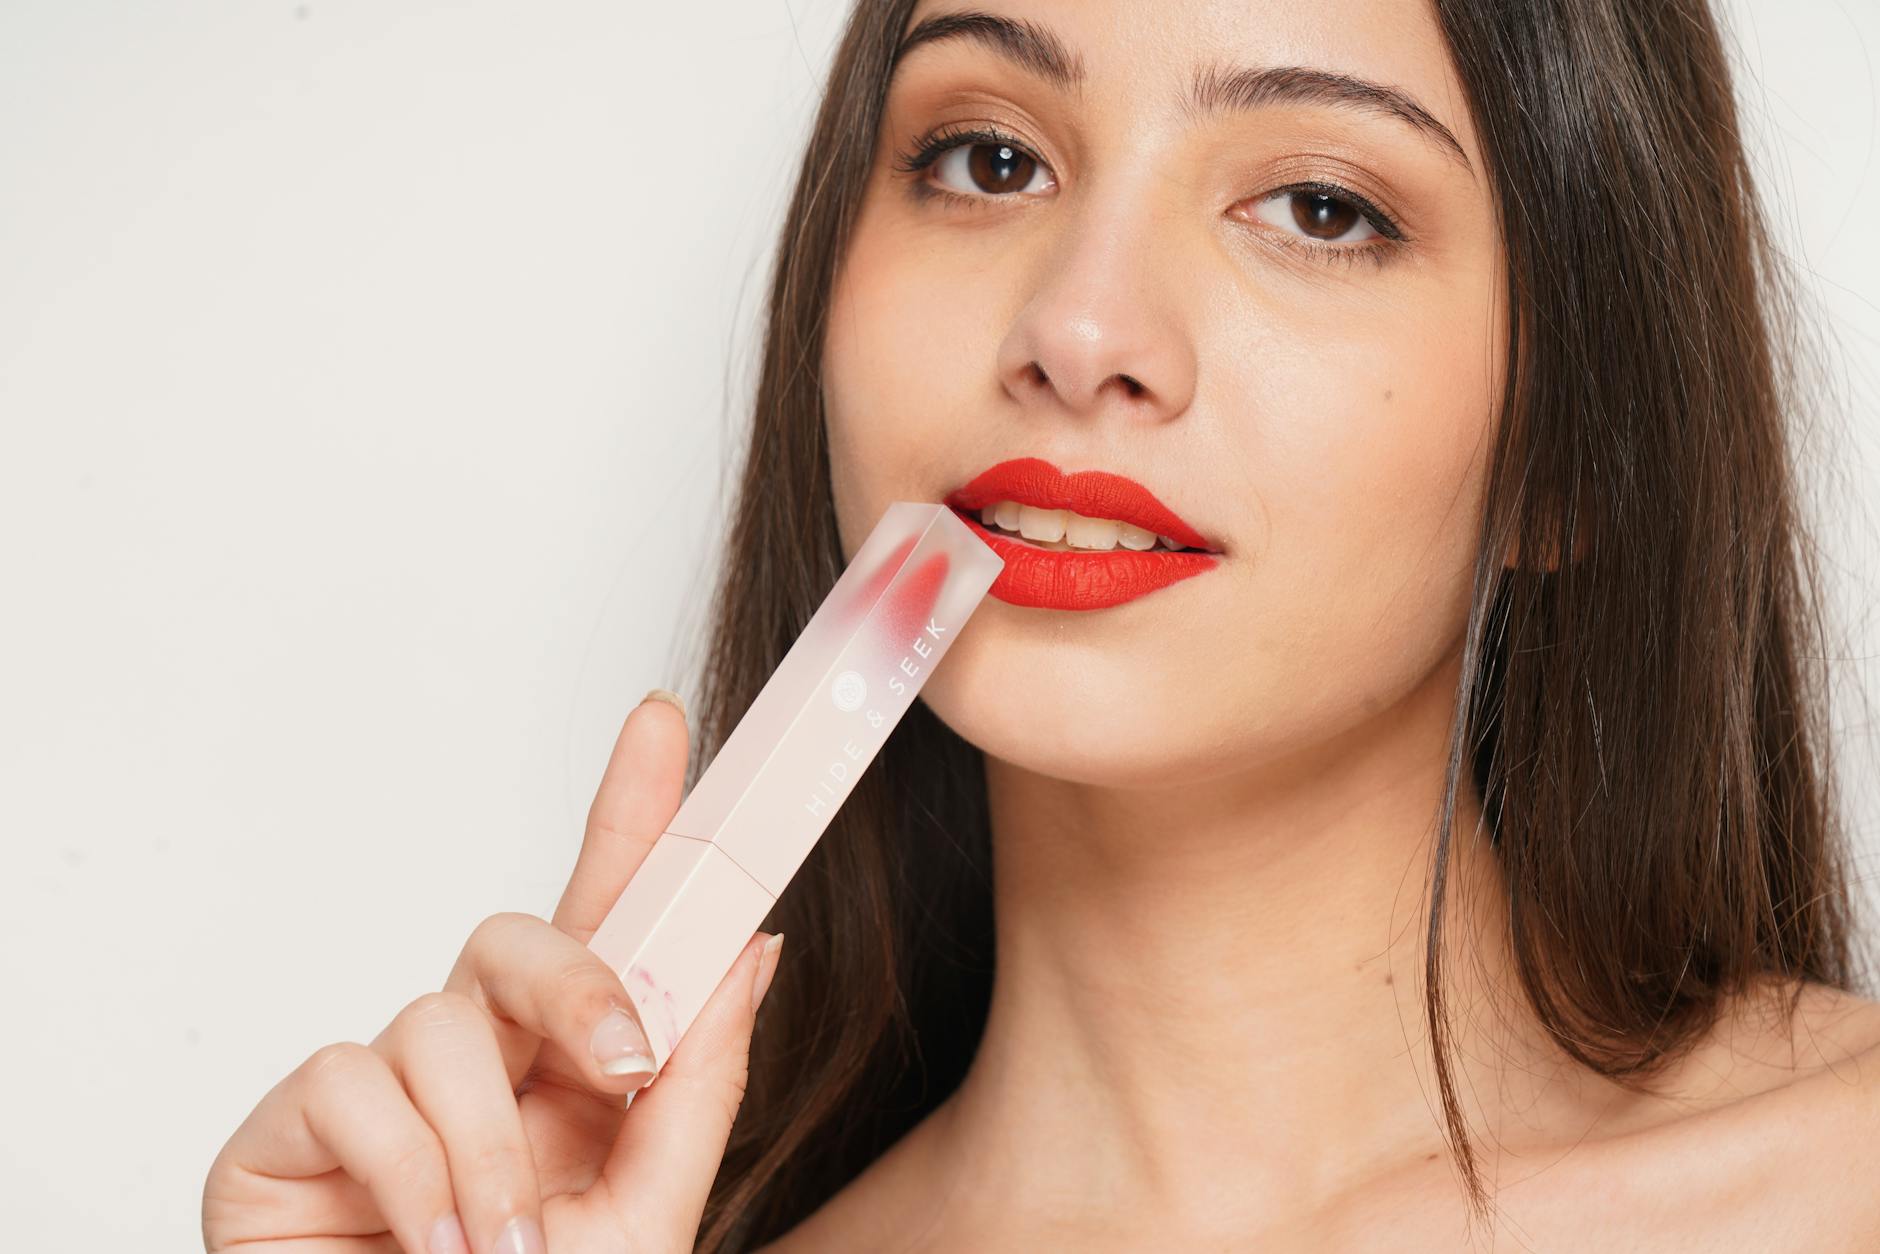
(639, 793)
(344, 1108)
(538, 983)
(442, 1048)
(383, 1243)
(673, 1139)
(243, 1207)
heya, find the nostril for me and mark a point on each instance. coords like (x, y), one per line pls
(1135, 388)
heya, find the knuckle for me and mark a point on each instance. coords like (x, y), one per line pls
(492, 938)
(721, 1093)
(731, 1092)
(573, 973)
(440, 1009)
(728, 1096)
(336, 1064)
(585, 981)
(491, 930)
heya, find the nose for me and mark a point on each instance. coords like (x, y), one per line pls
(1104, 331)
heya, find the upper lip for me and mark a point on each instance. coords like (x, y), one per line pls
(1092, 493)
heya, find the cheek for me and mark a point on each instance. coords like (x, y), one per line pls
(909, 329)
(897, 360)
(1365, 482)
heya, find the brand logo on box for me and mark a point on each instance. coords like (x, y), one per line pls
(849, 691)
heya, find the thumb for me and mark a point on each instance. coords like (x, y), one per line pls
(660, 1170)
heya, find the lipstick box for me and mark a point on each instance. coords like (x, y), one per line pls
(791, 761)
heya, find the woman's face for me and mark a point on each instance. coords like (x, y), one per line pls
(1129, 281)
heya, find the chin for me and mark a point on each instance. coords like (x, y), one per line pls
(1116, 734)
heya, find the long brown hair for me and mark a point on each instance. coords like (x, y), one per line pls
(1645, 717)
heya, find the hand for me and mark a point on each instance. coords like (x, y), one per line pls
(480, 1119)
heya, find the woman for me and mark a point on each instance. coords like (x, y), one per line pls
(1450, 858)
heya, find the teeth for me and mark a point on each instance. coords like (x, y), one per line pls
(1136, 538)
(1091, 533)
(1041, 524)
(1072, 530)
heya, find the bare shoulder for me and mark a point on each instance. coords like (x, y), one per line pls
(1781, 1047)
(1806, 1028)
(1807, 1068)
(1765, 1133)
(1812, 1079)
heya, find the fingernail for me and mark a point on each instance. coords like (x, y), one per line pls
(766, 967)
(619, 1047)
(447, 1236)
(522, 1236)
(668, 696)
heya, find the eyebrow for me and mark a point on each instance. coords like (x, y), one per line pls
(1215, 90)
(1025, 43)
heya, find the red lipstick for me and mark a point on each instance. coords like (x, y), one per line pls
(1073, 579)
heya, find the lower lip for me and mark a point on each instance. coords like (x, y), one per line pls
(1046, 579)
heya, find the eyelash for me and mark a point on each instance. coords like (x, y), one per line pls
(923, 151)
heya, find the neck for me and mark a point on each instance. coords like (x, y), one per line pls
(1215, 991)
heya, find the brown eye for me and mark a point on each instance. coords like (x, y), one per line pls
(1323, 217)
(989, 169)
(1316, 216)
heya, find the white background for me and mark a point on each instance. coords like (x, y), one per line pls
(366, 371)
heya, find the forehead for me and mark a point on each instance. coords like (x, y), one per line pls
(1147, 56)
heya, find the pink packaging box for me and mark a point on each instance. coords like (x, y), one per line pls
(791, 761)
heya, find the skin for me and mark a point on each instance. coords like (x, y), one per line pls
(1212, 806)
